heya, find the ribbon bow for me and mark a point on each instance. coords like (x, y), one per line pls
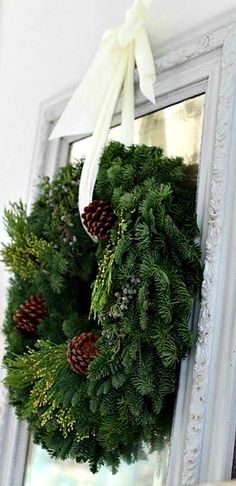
(91, 108)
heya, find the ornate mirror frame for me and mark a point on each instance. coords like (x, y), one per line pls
(205, 420)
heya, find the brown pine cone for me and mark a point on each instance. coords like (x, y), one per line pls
(99, 218)
(30, 314)
(81, 350)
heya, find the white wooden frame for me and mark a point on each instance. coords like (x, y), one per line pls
(205, 420)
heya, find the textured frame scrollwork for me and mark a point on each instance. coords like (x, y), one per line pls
(204, 376)
(207, 320)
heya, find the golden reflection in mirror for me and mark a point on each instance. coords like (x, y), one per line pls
(177, 129)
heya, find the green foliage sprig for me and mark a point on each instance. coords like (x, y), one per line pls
(103, 282)
(26, 253)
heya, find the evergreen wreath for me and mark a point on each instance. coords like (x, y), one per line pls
(95, 333)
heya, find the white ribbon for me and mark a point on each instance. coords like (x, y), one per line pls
(92, 106)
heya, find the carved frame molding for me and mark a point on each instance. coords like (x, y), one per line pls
(203, 433)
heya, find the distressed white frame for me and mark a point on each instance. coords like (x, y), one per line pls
(205, 420)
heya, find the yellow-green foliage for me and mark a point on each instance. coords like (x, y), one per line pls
(26, 252)
(41, 370)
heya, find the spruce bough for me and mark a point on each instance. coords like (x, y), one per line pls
(134, 290)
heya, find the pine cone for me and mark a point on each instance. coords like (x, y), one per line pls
(81, 350)
(30, 314)
(99, 218)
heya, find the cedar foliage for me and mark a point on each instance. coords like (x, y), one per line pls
(142, 293)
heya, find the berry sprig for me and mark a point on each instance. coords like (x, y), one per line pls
(124, 298)
(127, 294)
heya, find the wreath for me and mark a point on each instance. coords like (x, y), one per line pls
(96, 332)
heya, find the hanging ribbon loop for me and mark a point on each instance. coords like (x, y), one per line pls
(93, 104)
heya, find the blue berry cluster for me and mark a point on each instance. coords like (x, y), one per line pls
(124, 297)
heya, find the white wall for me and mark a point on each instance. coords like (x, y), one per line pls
(45, 48)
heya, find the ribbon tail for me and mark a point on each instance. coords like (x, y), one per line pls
(99, 138)
(145, 64)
